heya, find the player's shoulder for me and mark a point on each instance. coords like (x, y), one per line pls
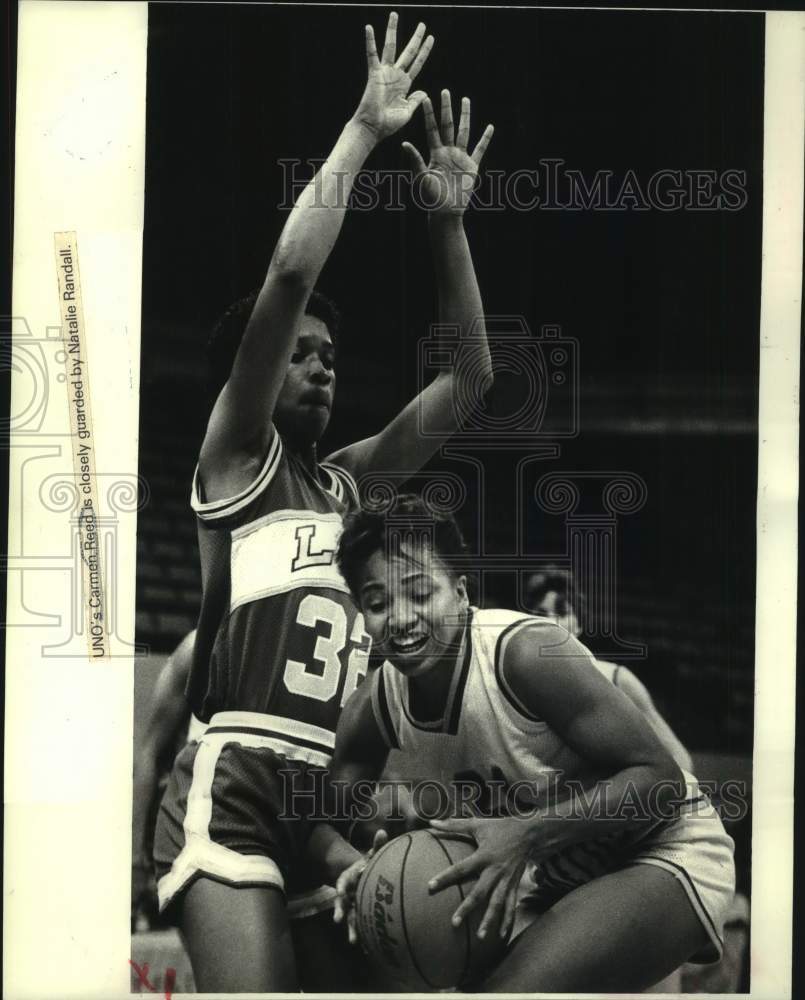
(502, 638)
(535, 645)
(612, 671)
(259, 473)
(494, 630)
(497, 627)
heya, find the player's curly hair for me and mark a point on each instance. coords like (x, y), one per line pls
(228, 332)
(562, 583)
(366, 532)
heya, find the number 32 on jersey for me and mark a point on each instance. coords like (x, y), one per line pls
(320, 679)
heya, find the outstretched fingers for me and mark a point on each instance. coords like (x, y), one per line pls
(414, 100)
(406, 57)
(483, 143)
(422, 55)
(371, 48)
(463, 134)
(417, 163)
(431, 128)
(475, 896)
(456, 873)
(447, 128)
(390, 46)
(495, 909)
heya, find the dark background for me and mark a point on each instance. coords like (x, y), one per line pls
(664, 306)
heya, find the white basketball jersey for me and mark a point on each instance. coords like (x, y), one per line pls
(485, 733)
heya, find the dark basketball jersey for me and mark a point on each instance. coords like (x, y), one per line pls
(278, 633)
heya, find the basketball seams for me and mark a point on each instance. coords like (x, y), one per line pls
(364, 884)
(422, 975)
(468, 942)
(415, 950)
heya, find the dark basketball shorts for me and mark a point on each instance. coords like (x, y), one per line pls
(226, 815)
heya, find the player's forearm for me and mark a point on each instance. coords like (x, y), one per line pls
(315, 221)
(459, 295)
(635, 796)
(330, 852)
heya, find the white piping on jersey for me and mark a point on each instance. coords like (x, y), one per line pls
(347, 477)
(264, 552)
(276, 724)
(216, 509)
(336, 487)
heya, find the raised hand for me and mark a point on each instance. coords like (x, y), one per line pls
(447, 182)
(386, 104)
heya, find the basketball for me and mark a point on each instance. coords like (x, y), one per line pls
(406, 931)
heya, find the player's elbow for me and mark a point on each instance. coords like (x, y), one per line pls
(485, 377)
(471, 384)
(290, 269)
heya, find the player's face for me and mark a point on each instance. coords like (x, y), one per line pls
(553, 606)
(414, 609)
(303, 408)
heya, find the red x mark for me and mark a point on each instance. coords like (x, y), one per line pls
(142, 974)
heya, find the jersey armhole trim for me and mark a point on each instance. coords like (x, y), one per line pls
(349, 486)
(214, 510)
(505, 688)
(457, 695)
(382, 712)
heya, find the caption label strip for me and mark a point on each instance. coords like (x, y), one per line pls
(76, 367)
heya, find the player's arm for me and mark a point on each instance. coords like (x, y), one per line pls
(601, 725)
(358, 760)
(168, 712)
(239, 430)
(446, 183)
(637, 693)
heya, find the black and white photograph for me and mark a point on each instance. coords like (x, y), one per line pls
(435, 508)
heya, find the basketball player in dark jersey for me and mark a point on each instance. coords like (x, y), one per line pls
(280, 646)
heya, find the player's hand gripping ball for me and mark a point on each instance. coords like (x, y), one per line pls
(406, 931)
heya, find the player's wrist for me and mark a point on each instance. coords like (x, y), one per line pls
(333, 851)
(362, 131)
(446, 219)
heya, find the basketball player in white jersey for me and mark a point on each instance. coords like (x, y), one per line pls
(635, 871)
